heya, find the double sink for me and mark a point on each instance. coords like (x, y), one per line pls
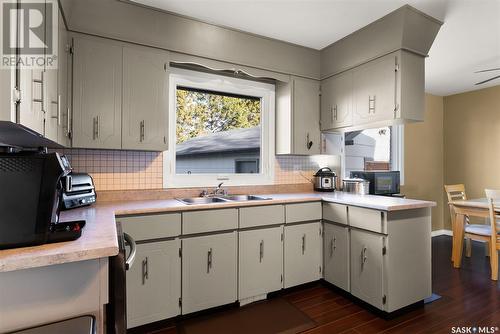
(221, 199)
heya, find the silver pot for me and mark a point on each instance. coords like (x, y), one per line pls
(356, 186)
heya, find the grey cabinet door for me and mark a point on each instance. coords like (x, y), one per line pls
(306, 132)
(336, 255)
(154, 283)
(367, 269)
(375, 90)
(260, 262)
(303, 247)
(51, 105)
(64, 126)
(97, 93)
(145, 99)
(31, 107)
(209, 271)
(336, 101)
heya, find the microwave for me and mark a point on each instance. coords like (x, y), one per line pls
(381, 182)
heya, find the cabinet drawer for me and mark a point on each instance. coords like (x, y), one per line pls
(303, 212)
(335, 213)
(367, 219)
(147, 227)
(209, 221)
(262, 215)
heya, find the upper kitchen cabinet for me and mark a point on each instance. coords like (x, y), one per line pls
(97, 93)
(374, 91)
(145, 99)
(297, 117)
(387, 90)
(35, 96)
(336, 101)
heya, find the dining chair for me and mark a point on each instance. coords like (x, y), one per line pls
(493, 196)
(478, 232)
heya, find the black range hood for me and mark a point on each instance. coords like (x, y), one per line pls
(18, 136)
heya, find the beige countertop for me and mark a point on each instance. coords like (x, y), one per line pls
(99, 237)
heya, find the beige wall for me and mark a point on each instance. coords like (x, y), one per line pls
(472, 141)
(424, 158)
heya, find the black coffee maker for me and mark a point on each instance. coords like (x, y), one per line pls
(30, 190)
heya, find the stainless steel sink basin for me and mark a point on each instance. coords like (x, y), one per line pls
(202, 200)
(222, 199)
(241, 198)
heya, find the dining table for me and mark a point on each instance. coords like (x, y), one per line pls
(472, 208)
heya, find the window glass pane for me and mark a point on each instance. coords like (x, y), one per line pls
(217, 132)
(368, 149)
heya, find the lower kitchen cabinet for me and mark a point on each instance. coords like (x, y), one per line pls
(367, 267)
(260, 261)
(303, 260)
(336, 255)
(154, 283)
(209, 271)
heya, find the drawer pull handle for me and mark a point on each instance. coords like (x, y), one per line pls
(303, 244)
(209, 260)
(145, 270)
(333, 245)
(364, 258)
(261, 250)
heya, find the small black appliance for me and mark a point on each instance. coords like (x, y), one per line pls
(385, 183)
(29, 199)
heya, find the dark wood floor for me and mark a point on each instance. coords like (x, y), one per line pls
(469, 298)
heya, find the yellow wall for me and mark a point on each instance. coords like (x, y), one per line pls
(423, 151)
(472, 141)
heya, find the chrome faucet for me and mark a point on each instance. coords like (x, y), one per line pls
(218, 191)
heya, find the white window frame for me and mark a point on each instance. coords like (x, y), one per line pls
(397, 151)
(223, 84)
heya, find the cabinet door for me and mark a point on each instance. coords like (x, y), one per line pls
(209, 270)
(63, 136)
(303, 245)
(336, 101)
(51, 107)
(154, 283)
(260, 262)
(97, 93)
(31, 107)
(336, 255)
(375, 90)
(367, 267)
(305, 124)
(145, 99)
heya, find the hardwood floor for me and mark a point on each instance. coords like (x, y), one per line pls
(469, 298)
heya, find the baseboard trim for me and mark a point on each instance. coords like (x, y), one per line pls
(441, 232)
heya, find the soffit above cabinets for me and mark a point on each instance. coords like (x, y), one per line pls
(461, 48)
(321, 22)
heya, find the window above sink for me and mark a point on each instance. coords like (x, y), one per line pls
(221, 129)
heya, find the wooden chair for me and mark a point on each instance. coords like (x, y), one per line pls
(494, 196)
(478, 232)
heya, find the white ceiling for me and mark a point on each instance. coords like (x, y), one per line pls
(468, 41)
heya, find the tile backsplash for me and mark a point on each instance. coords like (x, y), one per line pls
(138, 170)
(119, 170)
